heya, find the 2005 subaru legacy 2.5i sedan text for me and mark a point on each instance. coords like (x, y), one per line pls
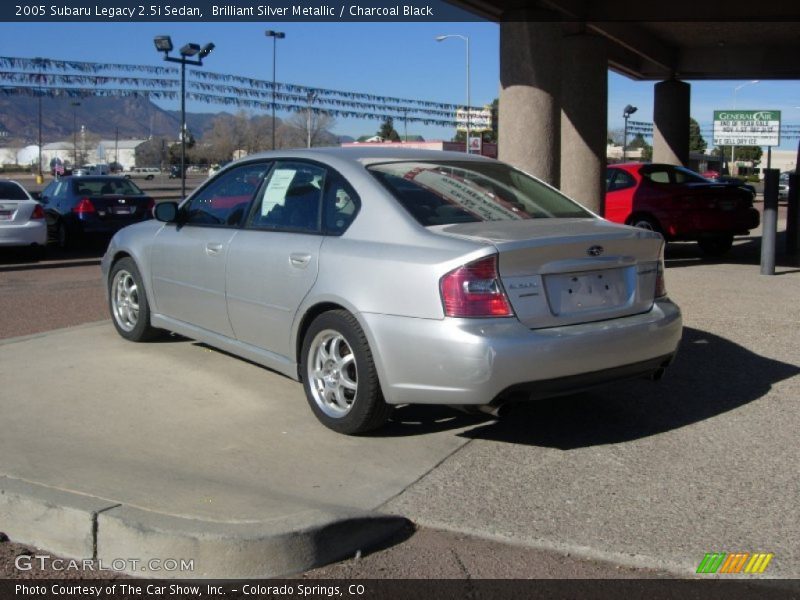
(380, 277)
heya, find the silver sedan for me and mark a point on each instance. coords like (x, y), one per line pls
(380, 277)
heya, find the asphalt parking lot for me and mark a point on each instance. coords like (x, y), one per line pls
(637, 475)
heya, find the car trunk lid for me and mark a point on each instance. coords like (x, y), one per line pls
(15, 211)
(568, 271)
(121, 207)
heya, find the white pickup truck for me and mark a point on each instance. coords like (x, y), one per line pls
(147, 173)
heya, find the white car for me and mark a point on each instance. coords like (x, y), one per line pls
(22, 221)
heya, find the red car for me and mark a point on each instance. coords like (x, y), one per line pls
(679, 204)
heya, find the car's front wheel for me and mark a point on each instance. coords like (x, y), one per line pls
(130, 311)
(339, 375)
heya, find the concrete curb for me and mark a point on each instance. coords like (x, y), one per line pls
(128, 539)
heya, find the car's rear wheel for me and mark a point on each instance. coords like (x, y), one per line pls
(130, 311)
(63, 237)
(716, 245)
(339, 375)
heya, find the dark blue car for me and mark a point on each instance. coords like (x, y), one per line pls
(79, 208)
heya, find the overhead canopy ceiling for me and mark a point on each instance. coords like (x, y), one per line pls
(689, 39)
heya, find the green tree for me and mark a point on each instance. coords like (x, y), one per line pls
(743, 153)
(696, 141)
(387, 131)
(639, 142)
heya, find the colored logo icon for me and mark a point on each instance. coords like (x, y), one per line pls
(735, 562)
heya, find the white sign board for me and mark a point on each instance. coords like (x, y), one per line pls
(479, 120)
(747, 127)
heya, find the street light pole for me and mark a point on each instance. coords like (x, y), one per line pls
(275, 35)
(626, 113)
(310, 97)
(440, 38)
(39, 176)
(163, 43)
(733, 148)
(75, 106)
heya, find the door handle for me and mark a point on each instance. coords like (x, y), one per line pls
(299, 260)
(213, 249)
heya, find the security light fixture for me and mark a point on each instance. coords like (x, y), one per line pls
(628, 111)
(190, 49)
(276, 34)
(207, 49)
(163, 43)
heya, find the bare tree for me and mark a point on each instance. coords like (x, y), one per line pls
(294, 132)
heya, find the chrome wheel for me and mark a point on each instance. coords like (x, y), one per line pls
(332, 373)
(125, 300)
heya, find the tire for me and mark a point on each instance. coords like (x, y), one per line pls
(64, 239)
(715, 246)
(645, 222)
(127, 302)
(339, 375)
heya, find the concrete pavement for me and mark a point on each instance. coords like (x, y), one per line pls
(212, 458)
(176, 450)
(645, 474)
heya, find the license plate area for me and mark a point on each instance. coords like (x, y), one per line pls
(5, 215)
(572, 293)
(121, 210)
(727, 204)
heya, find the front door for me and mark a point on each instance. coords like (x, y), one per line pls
(188, 259)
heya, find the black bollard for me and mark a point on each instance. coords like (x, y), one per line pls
(769, 221)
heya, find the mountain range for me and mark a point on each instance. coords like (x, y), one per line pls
(130, 118)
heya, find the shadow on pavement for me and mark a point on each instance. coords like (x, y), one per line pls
(710, 376)
(745, 251)
(22, 259)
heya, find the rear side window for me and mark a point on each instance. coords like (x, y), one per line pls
(11, 191)
(617, 179)
(291, 199)
(670, 174)
(444, 193)
(86, 186)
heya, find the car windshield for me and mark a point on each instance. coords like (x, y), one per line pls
(443, 193)
(11, 191)
(106, 186)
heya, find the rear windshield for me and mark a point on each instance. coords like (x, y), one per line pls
(671, 174)
(105, 187)
(443, 193)
(11, 191)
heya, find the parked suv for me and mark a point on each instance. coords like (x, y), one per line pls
(147, 173)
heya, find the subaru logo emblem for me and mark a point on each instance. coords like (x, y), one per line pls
(595, 251)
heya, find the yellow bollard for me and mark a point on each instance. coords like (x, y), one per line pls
(39, 179)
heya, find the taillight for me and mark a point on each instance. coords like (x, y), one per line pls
(38, 212)
(661, 284)
(84, 206)
(474, 290)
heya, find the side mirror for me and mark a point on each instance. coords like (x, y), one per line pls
(166, 212)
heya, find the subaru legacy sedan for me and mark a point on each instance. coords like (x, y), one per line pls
(380, 276)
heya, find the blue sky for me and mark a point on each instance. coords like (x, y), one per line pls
(392, 59)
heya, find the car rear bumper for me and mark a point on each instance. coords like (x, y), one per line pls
(474, 361)
(698, 224)
(24, 234)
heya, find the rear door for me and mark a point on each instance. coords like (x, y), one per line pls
(188, 260)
